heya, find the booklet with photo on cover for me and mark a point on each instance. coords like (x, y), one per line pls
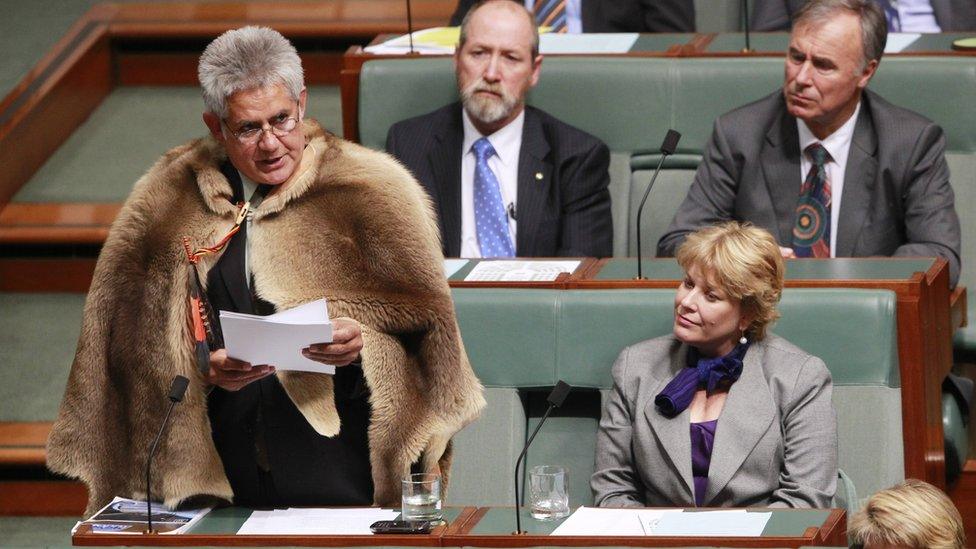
(128, 516)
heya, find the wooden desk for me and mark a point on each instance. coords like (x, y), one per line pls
(493, 527)
(219, 528)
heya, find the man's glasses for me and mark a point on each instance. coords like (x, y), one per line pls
(280, 127)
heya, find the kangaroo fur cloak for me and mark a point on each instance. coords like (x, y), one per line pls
(354, 227)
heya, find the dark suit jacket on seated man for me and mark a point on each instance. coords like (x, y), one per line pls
(615, 15)
(540, 189)
(883, 167)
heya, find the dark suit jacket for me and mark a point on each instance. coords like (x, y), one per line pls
(623, 15)
(775, 442)
(897, 200)
(777, 15)
(565, 213)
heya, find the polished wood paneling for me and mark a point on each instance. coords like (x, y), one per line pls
(72, 275)
(43, 498)
(963, 494)
(42, 113)
(56, 223)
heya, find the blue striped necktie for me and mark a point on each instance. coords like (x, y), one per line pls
(491, 219)
(551, 13)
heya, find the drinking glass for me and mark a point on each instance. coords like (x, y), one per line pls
(421, 497)
(548, 497)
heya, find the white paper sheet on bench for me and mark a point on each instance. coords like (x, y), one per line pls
(519, 271)
(342, 522)
(278, 339)
(730, 523)
(594, 521)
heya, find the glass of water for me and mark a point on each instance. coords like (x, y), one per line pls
(548, 496)
(421, 497)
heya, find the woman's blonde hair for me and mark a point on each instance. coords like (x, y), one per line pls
(910, 514)
(742, 261)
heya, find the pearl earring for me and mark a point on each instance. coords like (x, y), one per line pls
(743, 340)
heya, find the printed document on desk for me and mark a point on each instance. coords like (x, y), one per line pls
(278, 339)
(602, 521)
(592, 521)
(350, 521)
(519, 271)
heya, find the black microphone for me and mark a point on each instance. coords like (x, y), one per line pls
(176, 392)
(667, 149)
(555, 399)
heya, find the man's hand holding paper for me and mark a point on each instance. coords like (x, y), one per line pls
(347, 342)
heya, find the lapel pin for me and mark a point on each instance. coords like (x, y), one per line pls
(538, 176)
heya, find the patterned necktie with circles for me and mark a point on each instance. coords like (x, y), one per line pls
(491, 219)
(811, 233)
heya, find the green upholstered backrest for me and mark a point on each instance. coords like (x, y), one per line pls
(584, 331)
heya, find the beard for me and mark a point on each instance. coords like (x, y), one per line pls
(488, 109)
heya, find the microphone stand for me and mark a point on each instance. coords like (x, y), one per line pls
(555, 399)
(745, 25)
(410, 27)
(668, 147)
(175, 397)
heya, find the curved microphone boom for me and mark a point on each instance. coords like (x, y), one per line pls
(555, 399)
(667, 149)
(176, 391)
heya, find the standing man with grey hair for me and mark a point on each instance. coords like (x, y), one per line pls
(827, 166)
(507, 179)
(267, 213)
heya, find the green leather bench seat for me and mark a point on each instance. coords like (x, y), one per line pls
(585, 330)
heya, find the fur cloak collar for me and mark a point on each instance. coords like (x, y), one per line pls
(354, 228)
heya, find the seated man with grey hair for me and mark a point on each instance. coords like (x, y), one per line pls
(827, 166)
(266, 213)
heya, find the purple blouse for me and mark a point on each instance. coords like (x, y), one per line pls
(702, 439)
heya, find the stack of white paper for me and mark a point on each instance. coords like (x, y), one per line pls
(520, 271)
(340, 522)
(278, 339)
(592, 521)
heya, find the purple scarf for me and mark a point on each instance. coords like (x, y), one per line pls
(701, 373)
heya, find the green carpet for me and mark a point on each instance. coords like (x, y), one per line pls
(36, 531)
(38, 335)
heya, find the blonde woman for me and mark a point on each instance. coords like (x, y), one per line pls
(720, 412)
(909, 515)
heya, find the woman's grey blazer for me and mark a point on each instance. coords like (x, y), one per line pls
(775, 442)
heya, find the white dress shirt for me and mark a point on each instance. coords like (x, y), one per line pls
(574, 19)
(838, 145)
(507, 143)
(249, 188)
(917, 16)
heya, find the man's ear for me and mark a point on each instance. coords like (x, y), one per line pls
(213, 124)
(302, 98)
(536, 69)
(867, 73)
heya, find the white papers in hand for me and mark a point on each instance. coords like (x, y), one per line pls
(278, 339)
(342, 522)
(595, 521)
(731, 523)
(519, 271)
